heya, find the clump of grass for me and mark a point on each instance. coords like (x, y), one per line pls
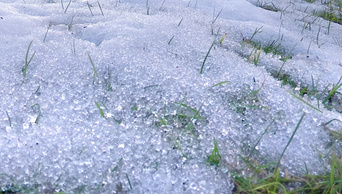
(263, 180)
(336, 18)
(28, 59)
(215, 157)
(272, 47)
(268, 7)
(255, 56)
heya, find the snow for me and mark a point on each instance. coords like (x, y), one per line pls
(146, 66)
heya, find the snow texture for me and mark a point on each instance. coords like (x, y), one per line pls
(114, 101)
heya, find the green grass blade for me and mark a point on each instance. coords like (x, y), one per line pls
(332, 171)
(220, 83)
(206, 56)
(92, 64)
(258, 140)
(27, 60)
(100, 109)
(333, 91)
(129, 182)
(288, 143)
(299, 98)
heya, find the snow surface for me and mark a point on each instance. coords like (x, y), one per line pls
(148, 58)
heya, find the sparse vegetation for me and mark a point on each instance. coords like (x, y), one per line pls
(182, 120)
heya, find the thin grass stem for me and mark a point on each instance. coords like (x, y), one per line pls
(98, 2)
(27, 60)
(288, 143)
(9, 119)
(67, 6)
(90, 8)
(206, 56)
(100, 109)
(92, 64)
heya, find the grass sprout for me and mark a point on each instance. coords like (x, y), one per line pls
(255, 56)
(333, 91)
(100, 109)
(223, 37)
(215, 157)
(28, 59)
(220, 83)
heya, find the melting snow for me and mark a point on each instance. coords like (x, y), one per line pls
(116, 102)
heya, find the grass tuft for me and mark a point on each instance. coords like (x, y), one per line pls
(215, 157)
(333, 91)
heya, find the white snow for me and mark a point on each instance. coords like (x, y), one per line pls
(148, 58)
